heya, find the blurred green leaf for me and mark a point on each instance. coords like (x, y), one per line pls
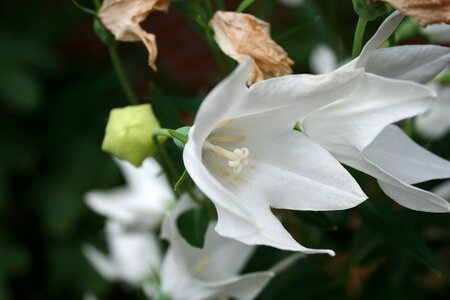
(193, 224)
(398, 231)
(19, 90)
(317, 219)
(244, 5)
(164, 108)
(408, 29)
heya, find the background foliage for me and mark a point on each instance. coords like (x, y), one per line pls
(57, 86)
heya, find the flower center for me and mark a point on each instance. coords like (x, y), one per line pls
(237, 159)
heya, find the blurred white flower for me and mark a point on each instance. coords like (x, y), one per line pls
(443, 190)
(438, 33)
(245, 156)
(435, 122)
(142, 203)
(292, 3)
(134, 255)
(323, 60)
(89, 296)
(208, 273)
(357, 130)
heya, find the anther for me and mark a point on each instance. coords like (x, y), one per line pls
(237, 159)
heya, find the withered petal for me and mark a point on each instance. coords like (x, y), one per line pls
(122, 18)
(424, 11)
(240, 35)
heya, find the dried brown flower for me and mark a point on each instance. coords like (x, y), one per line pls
(122, 18)
(240, 35)
(424, 11)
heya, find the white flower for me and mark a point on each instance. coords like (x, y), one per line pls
(435, 122)
(134, 255)
(437, 33)
(292, 3)
(357, 130)
(323, 60)
(142, 202)
(208, 273)
(245, 156)
(443, 190)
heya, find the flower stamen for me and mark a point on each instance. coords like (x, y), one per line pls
(237, 159)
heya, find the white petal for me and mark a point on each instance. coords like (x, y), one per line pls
(288, 170)
(103, 264)
(323, 60)
(437, 33)
(414, 198)
(397, 154)
(292, 3)
(443, 190)
(176, 282)
(180, 285)
(242, 216)
(221, 102)
(225, 257)
(272, 233)
(110, 204)
(292, 97)
(149, 178)
(405, 194)
(192, 273)
(435, 122)
(142, 203)
(419, 63)
(356, 120)
(136, 254)
(244, 287)
(384, 31)
(210, 186)
(209, 263)
(127, 207)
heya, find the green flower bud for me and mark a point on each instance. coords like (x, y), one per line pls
(128, 133)
(369, 10)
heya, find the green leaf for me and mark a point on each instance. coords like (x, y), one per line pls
(369, 11)
(180, 136)
(317, 219)
(244, 5)
(84, 9)
(408, 29)
(180, 181)
(398, 231)
(193, 224)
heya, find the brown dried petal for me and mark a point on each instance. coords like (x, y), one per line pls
(424, 11)
(122, 18)
(240, 35)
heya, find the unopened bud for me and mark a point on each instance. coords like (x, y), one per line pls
(128, 133)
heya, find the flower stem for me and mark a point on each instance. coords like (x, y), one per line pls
(118, 68)
(359, 35)
(167, 164)
(117, 64)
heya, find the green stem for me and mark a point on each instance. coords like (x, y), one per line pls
(359, 35)
(209, 9)
(167, 164)
(117, 64)
(96, 4)
(120, 72)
